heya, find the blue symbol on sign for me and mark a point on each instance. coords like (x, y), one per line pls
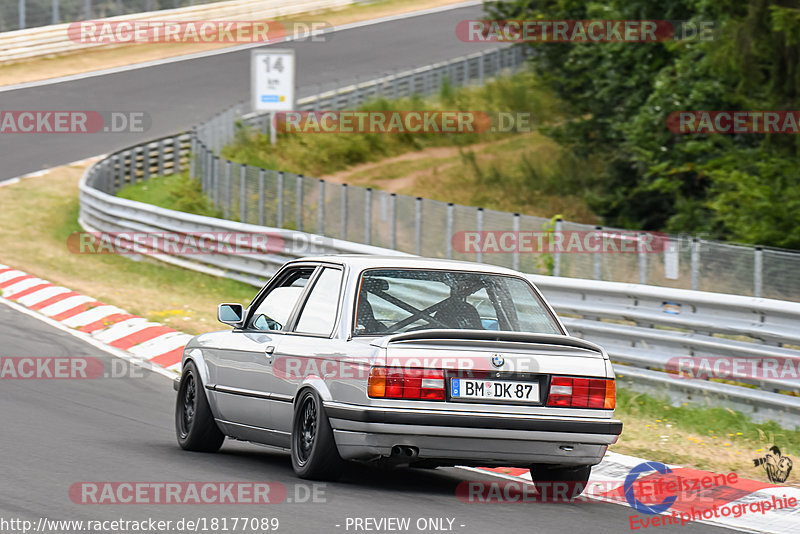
(635, 503)
(455, 385)
(270, 98)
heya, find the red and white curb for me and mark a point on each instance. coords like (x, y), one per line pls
(106, 324)
(608, 478)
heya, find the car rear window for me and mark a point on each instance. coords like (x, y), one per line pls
(392, 301)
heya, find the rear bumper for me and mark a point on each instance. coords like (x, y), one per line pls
(471, 438)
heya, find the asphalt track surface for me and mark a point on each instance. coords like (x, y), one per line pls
(54, 433)
(59, 432)
(176, 96)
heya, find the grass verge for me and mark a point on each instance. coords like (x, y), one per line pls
(37, 216)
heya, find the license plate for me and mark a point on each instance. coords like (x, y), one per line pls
(494, 390)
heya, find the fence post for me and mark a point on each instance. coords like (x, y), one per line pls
(418, 226)
(598, 265)
(449, 230)
(56, 14)
(261, 173)
(393, 221)
(465, 78)
(368, 216)
(321, 209)
(216, 181)
(176, 155)
(146, 163)
(758, 266)
(299, 206)
(557, 251)
(695, 264)
(279, 221)
(160, 158)
(515, 254)
(243, 193)
(480, 69)
(642, 260)
(228, 191)
(344, 211)
(192, 157)
(479, 228)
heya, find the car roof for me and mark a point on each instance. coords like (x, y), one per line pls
(359, 262)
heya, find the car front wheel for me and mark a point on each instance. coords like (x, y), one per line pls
(194, 422)
(314, 453)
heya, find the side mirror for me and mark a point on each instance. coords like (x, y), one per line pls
(231, 314)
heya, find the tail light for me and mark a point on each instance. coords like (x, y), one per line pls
(574, 392)
(401, 383)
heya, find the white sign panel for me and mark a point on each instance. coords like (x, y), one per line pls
(671, 256)
(272, 79)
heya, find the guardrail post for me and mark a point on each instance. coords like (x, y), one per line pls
(418, 226)
(321, 209)
(299, 204)
(368, 216)
(515, 254)
(642, 260)
(279, 221)
(598, 261)
(479, 228)
(449, 230)
(758, 265)
(393, 221)
(261, 173)
(480, 69)
(465, 77)
(344, 212)
(557, 250)
(243, 193)
(695, 264)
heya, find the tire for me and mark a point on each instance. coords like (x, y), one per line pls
(195, 427)
(314, 453)
(560, 483)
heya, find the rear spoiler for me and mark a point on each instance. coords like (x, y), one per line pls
(489, 335)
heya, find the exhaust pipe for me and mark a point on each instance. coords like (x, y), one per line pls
(404, 452)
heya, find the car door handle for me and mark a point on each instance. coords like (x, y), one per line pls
(268, 353)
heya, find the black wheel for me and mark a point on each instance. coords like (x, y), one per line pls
(314, 453)
(560, 483)
(194, 424)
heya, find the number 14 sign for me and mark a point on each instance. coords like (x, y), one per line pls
(272, 79)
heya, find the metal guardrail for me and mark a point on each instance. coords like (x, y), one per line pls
(55, 39)
(642, 327)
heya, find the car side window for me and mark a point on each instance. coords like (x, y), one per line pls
(319, 312)
(274, 310)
